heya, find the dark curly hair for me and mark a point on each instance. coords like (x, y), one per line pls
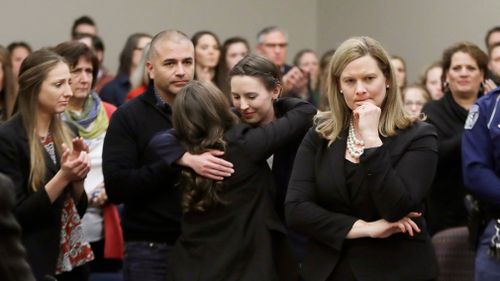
(201, 115)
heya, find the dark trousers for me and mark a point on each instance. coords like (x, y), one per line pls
(80, 273)
(146, 261)
(100, 264)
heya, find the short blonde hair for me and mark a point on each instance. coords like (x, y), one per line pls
(329, 124)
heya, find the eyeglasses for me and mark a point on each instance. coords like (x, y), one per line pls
(411, 103)
(275, 45)
(139, 48)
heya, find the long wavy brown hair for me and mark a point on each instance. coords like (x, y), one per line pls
(201, 116)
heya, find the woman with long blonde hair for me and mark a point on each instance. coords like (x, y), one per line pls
(47, 167)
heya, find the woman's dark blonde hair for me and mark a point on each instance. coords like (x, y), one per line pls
(330, 123)
(201, 115)
(33, 72)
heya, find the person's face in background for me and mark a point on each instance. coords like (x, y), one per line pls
(55, 90)
(1, 76)
(414, 100)
(309, 63)
(494, 61)
(493, 39)
(207, 51)
(363, 81)
(253, 100)
(81, 78)
(274, 47)
(400, 70)
(433, 82)
(86, 29)
(171, 66)
(464, 76)
(235, 52)
(17, 57)
(138, 50)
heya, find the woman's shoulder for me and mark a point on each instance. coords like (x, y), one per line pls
(12, 127)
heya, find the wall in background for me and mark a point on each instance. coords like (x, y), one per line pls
(47, 23)
(416, 30)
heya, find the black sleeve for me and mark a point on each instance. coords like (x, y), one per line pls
(302, 211)
(260, 142)
(124, 179)
(400, 189)
(33, 210)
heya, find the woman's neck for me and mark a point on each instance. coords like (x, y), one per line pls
(465, 100)
(76, 104)
(205, 73)
(43, 124)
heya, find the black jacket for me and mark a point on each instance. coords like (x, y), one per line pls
(396, 179)
(137, 177)
(446, 206)
(243, 240)
(39, 218)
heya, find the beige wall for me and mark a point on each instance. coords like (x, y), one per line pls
(416, 30)
(45, 23)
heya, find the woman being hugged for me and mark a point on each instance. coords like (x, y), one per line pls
(361, 175)
(48, 169)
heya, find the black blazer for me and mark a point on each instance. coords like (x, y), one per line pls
(39, 218)
(397, 178)
(243, 240)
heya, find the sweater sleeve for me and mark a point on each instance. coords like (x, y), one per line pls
(478, 158)
(125, 180)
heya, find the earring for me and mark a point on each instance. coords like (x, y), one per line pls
(342, 91)
(387, 86)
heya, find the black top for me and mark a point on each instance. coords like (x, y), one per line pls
(137, 177)
(395, 180)
(244, 240)
(39, 218)
(446, 199)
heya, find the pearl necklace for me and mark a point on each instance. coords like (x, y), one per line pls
(355, 147)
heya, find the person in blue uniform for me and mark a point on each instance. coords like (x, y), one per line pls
(481, 172)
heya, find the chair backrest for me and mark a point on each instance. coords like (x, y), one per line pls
(455, 259)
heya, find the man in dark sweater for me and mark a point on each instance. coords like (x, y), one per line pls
(137, 177)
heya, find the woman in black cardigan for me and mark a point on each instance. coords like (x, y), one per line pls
(361, 175)
(48, 169)
(464, 66)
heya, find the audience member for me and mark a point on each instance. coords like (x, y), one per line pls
(464, 66)
(83, 25)
(139, 80)
(7, 86)
(414, 99)
(134, 175)
(116, 91)
(13, 264)
(481, 167)
(207, 53)
(400, 68)
(492, 37)
(233, 50)
(361, 176)
(18, 52)
(323, 72)
(431, 80)
(307, 61)
(48, 169)
(493, 74)
(272, 43)
(90, 116)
